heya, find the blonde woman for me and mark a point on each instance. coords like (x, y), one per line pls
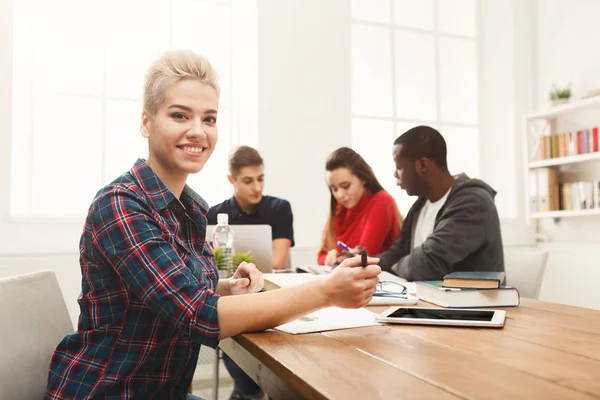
(151, 295)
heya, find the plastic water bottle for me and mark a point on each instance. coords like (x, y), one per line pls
(222, 237)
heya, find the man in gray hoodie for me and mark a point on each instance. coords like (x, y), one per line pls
(453, 226)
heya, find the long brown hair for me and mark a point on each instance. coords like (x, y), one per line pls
(345, 157)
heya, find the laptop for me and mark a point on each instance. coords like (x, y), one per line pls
(254, 238)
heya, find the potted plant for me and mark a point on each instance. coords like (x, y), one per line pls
(560, 96)
(239, 258)
(236, 260)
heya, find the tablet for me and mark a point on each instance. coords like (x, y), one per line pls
(443, 316)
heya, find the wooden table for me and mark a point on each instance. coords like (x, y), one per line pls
(544, 351)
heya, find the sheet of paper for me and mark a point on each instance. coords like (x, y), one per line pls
(329, 319)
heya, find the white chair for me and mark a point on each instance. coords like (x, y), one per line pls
(525, 270)
(33, 320)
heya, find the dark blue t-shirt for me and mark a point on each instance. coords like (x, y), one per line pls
(271, 211)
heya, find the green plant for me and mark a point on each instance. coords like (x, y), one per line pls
(239, 258)
(220, 258)
(556, 93)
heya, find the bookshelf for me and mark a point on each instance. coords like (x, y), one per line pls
(555, 162)
(564, 214)
(565, 109)
(546, 133)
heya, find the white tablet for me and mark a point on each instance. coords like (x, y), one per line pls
(443, 316)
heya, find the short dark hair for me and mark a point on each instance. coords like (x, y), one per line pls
(424, 141)
(243, 156)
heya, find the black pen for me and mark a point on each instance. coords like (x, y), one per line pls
(363, 258)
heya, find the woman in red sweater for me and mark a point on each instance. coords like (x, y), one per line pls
(362, 214)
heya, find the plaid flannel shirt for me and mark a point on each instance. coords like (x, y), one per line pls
(148, 295)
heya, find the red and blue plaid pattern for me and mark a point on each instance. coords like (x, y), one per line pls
(148, 295)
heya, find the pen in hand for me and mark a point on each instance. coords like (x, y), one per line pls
(363, 258)
(343, 245)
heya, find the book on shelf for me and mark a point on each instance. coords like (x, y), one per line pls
(433, 292)
(533, 190)
(580, 196)
(474, 279)
(567, 144)
(548, 190)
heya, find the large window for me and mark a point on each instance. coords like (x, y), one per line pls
(78, 69)
(415, 62)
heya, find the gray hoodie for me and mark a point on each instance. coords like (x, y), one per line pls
(466, 236)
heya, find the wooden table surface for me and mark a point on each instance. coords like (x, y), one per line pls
(544, 351)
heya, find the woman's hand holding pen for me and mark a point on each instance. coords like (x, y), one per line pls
(351, 287)
(334, 257)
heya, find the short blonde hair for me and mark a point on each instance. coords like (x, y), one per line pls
(172, 67)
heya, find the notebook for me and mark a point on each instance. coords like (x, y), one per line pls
(474, 279)
(433, 292)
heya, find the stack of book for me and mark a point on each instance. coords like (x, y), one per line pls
(474, 289)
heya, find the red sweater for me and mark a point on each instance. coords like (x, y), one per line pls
(372, 223)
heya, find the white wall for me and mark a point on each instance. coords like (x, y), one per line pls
(304, 105)
(566, 50)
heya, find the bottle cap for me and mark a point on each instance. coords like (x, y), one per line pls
(223, 219)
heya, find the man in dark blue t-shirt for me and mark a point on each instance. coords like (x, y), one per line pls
(248, 206)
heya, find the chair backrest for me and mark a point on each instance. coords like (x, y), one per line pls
(525, 270)
(33, 320)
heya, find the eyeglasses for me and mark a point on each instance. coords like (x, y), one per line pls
(390, 289)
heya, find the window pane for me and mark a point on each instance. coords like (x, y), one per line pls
(66, 165)
(68, 45)
(371, 71)
(205, 27)
(124, 142)
(137, 34)
(458, 80)
(211, 183)
(415, 76)
(369, 10)
(457, 17)
(373, 139)
(463, 149)
(414, 14)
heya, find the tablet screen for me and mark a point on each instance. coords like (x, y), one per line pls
(463, 315)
